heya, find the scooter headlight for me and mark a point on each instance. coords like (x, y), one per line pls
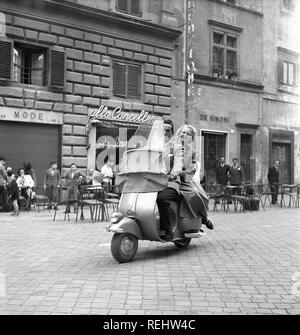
(115, 217)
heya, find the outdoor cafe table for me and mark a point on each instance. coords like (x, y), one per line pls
(87, 189)
(286, 189)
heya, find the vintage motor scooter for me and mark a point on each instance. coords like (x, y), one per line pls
(142, 175)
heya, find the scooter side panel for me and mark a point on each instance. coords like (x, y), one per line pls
(127, 225)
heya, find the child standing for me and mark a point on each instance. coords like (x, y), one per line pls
(13, 190)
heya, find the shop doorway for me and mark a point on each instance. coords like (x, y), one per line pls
(282, 152)
(245, 155)
(214, 149)
(37, 143)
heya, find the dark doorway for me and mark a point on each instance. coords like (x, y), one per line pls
(214, 149)
(246, 153)
(282, 152)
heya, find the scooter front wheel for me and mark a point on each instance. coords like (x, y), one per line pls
(184, 243)
(124, 247)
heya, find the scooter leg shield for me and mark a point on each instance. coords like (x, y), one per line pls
(127, 225)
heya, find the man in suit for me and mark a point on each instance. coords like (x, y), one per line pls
(236, 176)
(222, 172)
(173, 157)
(273, 178)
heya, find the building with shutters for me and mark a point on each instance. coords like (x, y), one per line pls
(63, 61)
(243, 91)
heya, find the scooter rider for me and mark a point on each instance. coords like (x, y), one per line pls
(173, 157)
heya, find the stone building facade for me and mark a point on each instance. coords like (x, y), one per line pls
(236, 97)
(62, 60)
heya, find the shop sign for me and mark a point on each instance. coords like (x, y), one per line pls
(103, 113)
(30, 115)
(214, 118)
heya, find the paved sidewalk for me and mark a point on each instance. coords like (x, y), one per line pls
(249, 264)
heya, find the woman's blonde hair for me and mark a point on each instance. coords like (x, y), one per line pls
(191, 128)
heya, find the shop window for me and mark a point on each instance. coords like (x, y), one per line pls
(126, 80)
(224, 55)
(129, 7)
(288, 73)
(31, 65)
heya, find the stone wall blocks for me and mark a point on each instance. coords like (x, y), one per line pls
(99, 48)
(165, 81)
(150, 78)
(105, 60)
(43, 105)
(80, 151)
(92, 38)
(33, 24)
(162, 110)
(115, 52)
(69, 65)
(128, 45)
(164, 71)
(114, 103)
(63, 107)
(149, 68)
(165, 62)
(66, 150)
(93, 102)
(75, 119)
(14, 32)
(16, 92)
(73, 99)
(57, 30)
(105, 82)
(66, 42)
(83, 67)
(49, 96)
(12, 102)
(69, 88)
(83, 45)
(165, 101)
(163, 53)
(47, 38)
(149, 88)
(91, 57)
(79, 130)
(90, 79)
(136, 106)
(31, 35)
(150, 98)
(79, 109)
(153, 59)
(76, 34)
(148, 49)
(127, 54)
(74, 77)
(140, 57)
(107, 41)
(162, 90)
(82, 90)
(74, 54)
(100, 92)
(1, 102)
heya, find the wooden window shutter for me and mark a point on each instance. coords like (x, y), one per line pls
(119, 79)
(5, 59)
(133, 90)
(135, 7)
(123, 5)
(280, 71)
(57, 68)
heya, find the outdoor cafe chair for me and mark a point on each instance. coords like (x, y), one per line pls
(40, 200)
(290, 192)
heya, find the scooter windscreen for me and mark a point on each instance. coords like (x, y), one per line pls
(142, 168)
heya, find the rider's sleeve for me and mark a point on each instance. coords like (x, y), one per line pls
(178, 160)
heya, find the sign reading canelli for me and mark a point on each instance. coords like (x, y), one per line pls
(103, 113)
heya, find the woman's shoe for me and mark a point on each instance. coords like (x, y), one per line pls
(209, 224)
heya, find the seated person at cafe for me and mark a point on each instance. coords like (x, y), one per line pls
(93, 177)
(25, 184)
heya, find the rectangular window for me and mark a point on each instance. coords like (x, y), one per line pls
(127, 80)
(29, 65)
(224, 55)
(289, 73)
(129, 7)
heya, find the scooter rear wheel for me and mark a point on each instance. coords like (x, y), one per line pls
(184, 243)
(124, 247)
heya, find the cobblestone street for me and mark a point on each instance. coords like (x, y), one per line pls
(244, 266)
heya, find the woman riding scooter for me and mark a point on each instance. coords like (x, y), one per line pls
(143, 174)
(188, 187)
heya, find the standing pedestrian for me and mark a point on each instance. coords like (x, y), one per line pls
(29, 170)
(3, 182)
(273, 178)
(13, 191)
(236, 176)
(108, 173)
(74, 179)
(222, 172)
(52, 182)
